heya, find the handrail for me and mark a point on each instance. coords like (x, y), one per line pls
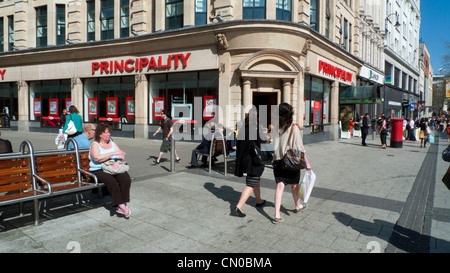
(77, 154)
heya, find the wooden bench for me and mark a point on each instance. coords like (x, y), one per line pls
(42, 174)
(18, 183)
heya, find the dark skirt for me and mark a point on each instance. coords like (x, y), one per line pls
(252, 181)
(285, 176)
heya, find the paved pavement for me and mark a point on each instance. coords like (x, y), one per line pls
(366, 199)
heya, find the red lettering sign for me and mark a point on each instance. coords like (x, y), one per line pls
(138, 64)
(2, 73)
(333, 71)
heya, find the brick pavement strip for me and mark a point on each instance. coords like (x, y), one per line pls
(352, 209)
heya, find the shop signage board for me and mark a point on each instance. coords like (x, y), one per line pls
(333, 71)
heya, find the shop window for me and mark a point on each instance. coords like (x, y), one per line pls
(47, 100)
(254, 9)
(8, 103)
(10, 32)
(110, 100)
(174, 14)
(284, 8)
(176, 93)
(314, 19)
(316, 103)
(2, 34)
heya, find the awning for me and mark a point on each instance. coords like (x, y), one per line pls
(369, 94)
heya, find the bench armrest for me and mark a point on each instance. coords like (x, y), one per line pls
(44, 181)
(90, 174)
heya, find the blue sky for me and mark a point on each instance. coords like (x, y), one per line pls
(435, 30)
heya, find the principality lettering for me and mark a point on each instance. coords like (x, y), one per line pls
(2, 73)
(334, 71)
(140, 64)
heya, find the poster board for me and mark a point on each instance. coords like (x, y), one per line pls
(111, 107)
(158, 105)
(37, 107)
(209, 107)
(131, 108)
(53, 107)
(92, 107)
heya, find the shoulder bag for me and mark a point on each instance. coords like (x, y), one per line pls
(293, 159)
(255, 153)
(107, 167)
(71, 129)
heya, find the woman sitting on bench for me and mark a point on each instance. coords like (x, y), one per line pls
(104, 149)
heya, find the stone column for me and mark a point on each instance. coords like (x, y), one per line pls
(76, 94)
(22, 96)
(246, 94)
(334, 112)
(141, 106)
(286, 94)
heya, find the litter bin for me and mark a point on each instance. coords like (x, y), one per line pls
(396, 133)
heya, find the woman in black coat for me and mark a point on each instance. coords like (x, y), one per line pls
(247, 138)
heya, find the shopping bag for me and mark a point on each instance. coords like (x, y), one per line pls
(307, 185)
(431, 138)
(60, 139)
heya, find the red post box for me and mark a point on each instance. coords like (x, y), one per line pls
(396, 132)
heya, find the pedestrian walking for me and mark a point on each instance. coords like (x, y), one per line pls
(365, 128)
(423, 133)
(167, 129)
(285, 177)
(247, 161)
(382, 131)
(447, 130)
(74, 116)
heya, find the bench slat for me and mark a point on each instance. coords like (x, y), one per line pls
(15, 187)
(55, 166)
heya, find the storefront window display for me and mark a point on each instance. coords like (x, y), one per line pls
(175, 93)
(317, 103)
(8, 103)
(47, 100)
(111, 100)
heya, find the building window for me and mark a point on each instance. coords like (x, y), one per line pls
(2, 34)
(317, 103)
(314, 17)
(172, 91)
(41, 26)
(60, 24)
(174, 14)
(10, 32)
(124, 18)
(344, 43)
(107, 19)
(200, 12)
(254, 9)
(47, 100)
(9, 104)
(327, 19)
(90, 21)
(284, 8)
(111, 100)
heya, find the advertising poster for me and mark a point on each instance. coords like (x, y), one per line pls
(158, 106)
(210, 103)
(130, 113)
(111, 107)
(93, 107)
(37, 107)
(53, 107)
(316, 113)
(68, 103)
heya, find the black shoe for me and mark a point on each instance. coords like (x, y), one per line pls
(260, 204)
(156, 162)
(191, 167)
(178, 160)
(238, 212)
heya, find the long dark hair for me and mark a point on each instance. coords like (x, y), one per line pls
(286, 113)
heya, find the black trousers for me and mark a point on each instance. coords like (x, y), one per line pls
(363, 137)
(118, 186)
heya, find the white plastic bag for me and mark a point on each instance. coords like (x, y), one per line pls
(307, 185)
(60, 140)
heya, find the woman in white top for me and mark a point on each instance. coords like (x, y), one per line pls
(103, 149)
(283, 176)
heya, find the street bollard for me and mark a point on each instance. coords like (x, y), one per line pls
(172, 155)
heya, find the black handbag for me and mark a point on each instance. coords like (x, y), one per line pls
(293, 159)
(255, 153)
(446, 154)
(446, 178)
